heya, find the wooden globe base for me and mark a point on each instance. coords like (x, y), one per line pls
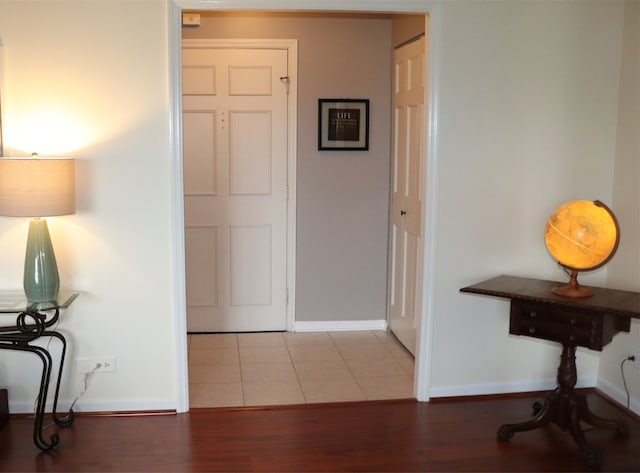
(573, 289)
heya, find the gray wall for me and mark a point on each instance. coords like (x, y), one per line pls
(342, 197)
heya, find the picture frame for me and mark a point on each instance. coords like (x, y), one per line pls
(343, 124)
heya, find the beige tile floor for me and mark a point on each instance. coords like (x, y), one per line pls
(258, 369)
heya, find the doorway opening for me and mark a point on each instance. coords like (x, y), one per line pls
(308, 123)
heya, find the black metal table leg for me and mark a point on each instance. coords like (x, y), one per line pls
(41, 401)
(29, 327)
(67, 420)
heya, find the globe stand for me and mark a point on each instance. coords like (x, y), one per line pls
(573, 289)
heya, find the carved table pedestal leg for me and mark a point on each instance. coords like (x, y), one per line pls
(566, 408)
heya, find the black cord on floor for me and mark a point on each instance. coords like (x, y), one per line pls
(624, 380)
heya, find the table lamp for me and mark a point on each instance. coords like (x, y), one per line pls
(581, 236)
(38, 187)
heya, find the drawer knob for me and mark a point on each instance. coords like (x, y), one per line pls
(572, 338)
(533, 314)
(573, 321)
(532, 330)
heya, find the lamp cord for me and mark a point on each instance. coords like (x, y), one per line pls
(86, 378)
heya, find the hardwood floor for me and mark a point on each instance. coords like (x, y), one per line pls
(457, 435)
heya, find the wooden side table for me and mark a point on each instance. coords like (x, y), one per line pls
(32, 323)
(586, 322)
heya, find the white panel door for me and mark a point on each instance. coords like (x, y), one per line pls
(407, 207)
(235, 184)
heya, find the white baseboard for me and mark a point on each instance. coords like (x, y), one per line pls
(505, 388)
(618, 395)
(339, 325)
(21, 407)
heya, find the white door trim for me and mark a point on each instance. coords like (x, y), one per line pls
(433, 9)
(174, 39)
(291, 46)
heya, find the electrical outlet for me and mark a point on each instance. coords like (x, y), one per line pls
(636, 362)
(88, 365)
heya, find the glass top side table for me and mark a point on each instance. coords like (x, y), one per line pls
(33, 322)
(15, 301)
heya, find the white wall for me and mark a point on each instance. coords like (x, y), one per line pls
(95, 75)
(624, 268)
(527, 121)
(527, 112)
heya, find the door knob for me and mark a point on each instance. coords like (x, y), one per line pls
(403, 213)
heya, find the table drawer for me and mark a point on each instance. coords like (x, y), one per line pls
(579, 328)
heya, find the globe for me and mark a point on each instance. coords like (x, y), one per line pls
(581, 235)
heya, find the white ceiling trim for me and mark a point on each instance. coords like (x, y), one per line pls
(314, 5)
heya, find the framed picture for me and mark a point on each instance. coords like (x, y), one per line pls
(343, 124)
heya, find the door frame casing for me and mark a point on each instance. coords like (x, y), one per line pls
(432, 8)
(291, 46)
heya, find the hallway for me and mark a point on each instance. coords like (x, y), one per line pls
(277, 368)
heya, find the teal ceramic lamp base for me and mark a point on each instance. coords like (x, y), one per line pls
(41, 280)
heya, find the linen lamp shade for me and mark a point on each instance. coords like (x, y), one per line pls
(37, 187)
